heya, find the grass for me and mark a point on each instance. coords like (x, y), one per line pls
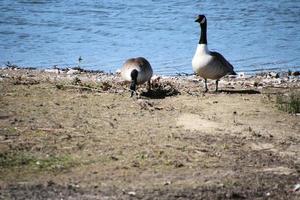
(26, 160)
(289, 103)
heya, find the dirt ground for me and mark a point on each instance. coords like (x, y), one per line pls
(83, 137)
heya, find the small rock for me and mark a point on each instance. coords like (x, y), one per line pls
(241, 75)
(235, 195)
(167, 183)
(274, 75)
(144, 104)
(76, 81)
(297, 73)
(114, 158)
(118, 71)
(132, 193)
(73, 71)
(296, 187)
(155, 78)
(55, 71)
(167, 88)
(178, 164)
(50, 183)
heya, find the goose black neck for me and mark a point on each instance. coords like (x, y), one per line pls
(203, 38)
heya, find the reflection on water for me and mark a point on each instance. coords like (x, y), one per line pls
(252, 35)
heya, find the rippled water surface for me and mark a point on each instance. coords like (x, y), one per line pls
(251, 34)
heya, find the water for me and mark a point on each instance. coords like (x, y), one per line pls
(253, 35)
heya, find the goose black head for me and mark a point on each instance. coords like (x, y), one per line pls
(201, 19)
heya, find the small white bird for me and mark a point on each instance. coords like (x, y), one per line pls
(208, 64)
(137, 71)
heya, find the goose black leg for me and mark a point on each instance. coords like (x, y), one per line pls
(217, 81)
(132, 92)
(132, 87)
(205, 81)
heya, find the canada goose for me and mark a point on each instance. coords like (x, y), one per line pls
(137, 71)
(208, 64)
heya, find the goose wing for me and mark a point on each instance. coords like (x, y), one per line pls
(223, 61)
(143, 63)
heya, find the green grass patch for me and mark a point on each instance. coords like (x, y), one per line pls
(29, 161)
(289, 103)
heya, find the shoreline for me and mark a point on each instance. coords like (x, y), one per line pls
(181, 82)
(289, 70)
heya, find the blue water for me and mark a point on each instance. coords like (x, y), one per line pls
(252, 34)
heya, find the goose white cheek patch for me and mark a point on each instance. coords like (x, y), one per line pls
(203, 20)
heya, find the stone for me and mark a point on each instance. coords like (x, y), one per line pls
(73, 71)
(55, 71)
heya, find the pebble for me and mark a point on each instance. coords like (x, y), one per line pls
(297, 73)
(241, 75)
(55, 71)
(73, 71)
(132, 193)
(274, 74)
(167, 183)
(155, 78)
(118, 71)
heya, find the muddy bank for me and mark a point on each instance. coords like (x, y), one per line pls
(80, 136)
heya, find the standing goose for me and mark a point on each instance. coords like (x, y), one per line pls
(208, 64)
(137, 71)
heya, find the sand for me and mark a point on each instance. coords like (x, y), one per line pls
(79, 135)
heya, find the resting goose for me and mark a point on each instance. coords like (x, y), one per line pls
(137, 71)
(208, 64)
